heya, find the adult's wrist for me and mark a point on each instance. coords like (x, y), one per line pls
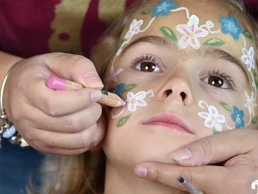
(7, 129)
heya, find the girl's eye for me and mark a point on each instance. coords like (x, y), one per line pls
(147, 63)
(147, 67)
(219, 80)
(216, 82)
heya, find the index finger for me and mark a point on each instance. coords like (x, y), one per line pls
(217, 148)
(208, 179)
(74, 67)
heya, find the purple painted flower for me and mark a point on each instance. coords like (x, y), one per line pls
(248, 58)
(134, 29)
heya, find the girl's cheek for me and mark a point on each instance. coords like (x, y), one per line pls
(223, 116)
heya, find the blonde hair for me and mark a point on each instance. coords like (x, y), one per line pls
(91, 181)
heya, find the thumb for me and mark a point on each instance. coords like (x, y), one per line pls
(75, 68)
(216, 148)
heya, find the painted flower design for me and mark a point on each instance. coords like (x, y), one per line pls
(191, 32)
(212, 118)
(248, 58)
(114, 74)
(134, 100)
(230, 26)
(118, 89)
(237, 117)
(250, 102)
(134, 29)
(163, 8)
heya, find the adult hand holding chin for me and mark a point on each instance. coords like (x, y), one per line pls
(57, 122)
(236, 151)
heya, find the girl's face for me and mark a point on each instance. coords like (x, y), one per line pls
(186, 72)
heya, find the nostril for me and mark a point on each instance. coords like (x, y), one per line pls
(168, 92)
(183, 95)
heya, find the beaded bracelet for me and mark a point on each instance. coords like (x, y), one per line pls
(8, 130)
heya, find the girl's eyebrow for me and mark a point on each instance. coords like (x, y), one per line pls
(155, 40)
(223, 55)
(204, 51)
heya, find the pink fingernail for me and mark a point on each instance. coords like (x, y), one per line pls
(141, 171)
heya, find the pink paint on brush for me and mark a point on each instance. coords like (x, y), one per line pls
(56, 83)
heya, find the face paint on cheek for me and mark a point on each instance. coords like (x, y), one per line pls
(114, 73)
(213, 119)
(236, 114)
(250, 105)
(133, 101)
(238, 117)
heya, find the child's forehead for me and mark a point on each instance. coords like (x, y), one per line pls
(211, 23)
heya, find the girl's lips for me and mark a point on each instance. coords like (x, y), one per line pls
(169, 121)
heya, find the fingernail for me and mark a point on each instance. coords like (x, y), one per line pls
(95, 95)
(141, 171)
(181, 154)
(93, 81)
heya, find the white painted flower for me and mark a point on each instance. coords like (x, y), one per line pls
(248, 58)
(134, 100)
(212, 118)
(191, 32)
(250, 103)
(134, 29)
(114, 74)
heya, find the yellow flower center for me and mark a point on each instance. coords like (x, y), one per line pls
(133, 101)
(191, 35)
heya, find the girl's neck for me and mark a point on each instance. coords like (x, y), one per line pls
(124, 181)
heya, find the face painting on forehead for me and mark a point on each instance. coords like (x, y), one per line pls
(188, 35)
(190, 32)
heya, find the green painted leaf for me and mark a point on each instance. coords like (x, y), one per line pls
(129, 87)
(254, 120)
(119, 45)
(255, 79)
(145, 12)
(122, 121)
(226, 106)
(167, 32)
(248, 35)
(214, 42)
(215, 132)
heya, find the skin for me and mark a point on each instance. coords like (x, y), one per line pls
(54, 121)
(184, 71)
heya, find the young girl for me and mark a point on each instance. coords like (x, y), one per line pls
(187, 70)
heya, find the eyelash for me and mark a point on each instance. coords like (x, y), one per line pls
(150, 58)
(145, 58)
(224, 76)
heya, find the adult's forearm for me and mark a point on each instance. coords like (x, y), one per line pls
(6, 62)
